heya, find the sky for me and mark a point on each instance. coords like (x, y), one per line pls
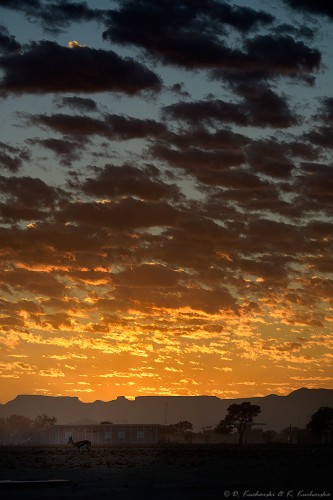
(165, 197)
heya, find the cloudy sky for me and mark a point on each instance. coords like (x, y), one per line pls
(165, 197)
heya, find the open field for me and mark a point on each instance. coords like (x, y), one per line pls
(173, 472)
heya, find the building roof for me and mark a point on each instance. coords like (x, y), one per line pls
(106, 425)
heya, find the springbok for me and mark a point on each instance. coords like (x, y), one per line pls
(80, 445)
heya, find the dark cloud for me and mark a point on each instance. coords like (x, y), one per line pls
(8, 43)
(75, 125)
(260, 107)
(325, 114)
(178, 89)
(282, 55)
(27, 198)
(212, 155)
(11, 212)
(126, 214)
(153, 25)
(185, 34)
(54, 16)
(242, 18)
(149, 275)
(300, 149)
(265, 108)
(11, 158)
(273, 271)
(200, 299)
(193, 35)
(46, 67)
(126, 127)
(67, 151)
(9, 163)
(205, 165)
(269, 157)
(269, 236)
(221, 140)
(112, 126)
(206, 112)
(114, 181)
(271, 56)
(295, 31)
(59, 14)
(48, 243)
(77, 103)
(315, 187)
(23, 5)
(312, 6)
(242, 192)
(29, 192)
(43, 283)
(321, 136)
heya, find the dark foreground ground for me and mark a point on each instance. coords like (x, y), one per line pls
(172, 472)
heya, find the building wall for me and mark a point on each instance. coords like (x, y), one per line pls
(102, 434)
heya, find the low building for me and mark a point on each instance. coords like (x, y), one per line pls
(102, 434)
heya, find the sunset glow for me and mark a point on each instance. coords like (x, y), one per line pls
(165, 201)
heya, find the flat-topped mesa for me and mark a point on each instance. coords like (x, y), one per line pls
(277, 411)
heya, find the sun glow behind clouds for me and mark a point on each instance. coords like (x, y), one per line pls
(75, 45)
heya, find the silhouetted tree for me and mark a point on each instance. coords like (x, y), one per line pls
(18, 428)
(43, 422)
(269, 436)
(2, 429)
(181, 430)
(41, 425)
(238, 418)
(207, 433)
(182, 426)
(289, 434)
(321, 422)
(178, 428)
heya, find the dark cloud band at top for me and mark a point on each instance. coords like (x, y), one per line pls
(193, 35)
(323, 7)
(55, 15)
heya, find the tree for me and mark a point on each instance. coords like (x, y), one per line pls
(207, 433)
(178, 428)
(41, 426)
(238, 418)
(321, 422)
(43, 422)
(269, 436)
(289, 434)
(18, 428)
(2, 429)
(182, 426)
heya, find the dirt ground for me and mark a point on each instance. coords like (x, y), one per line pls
(173, 472)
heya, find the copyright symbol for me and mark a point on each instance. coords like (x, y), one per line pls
(227, 493)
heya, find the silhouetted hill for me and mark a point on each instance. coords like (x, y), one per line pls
(277, 412)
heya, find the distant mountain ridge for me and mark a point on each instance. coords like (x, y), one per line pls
(277, 412)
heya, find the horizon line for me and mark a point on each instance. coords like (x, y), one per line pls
(130, 399)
